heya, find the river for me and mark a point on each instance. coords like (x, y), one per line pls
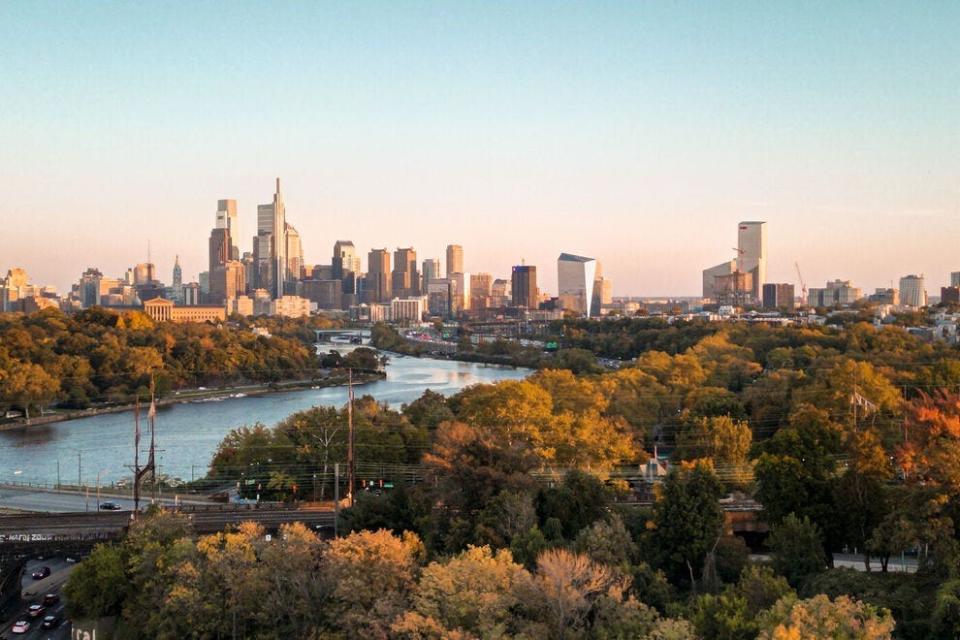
(188, 434)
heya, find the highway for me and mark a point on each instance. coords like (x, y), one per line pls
(49, 501)
(32, 593)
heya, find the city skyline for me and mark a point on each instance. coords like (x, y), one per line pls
(636, 134)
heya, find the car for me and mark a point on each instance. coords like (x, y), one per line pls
(21, 626)
(110, 506)
(50, 599)
(50, 622)
(41, 573)
(36, 610)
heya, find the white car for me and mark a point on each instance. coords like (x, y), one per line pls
(21, 626)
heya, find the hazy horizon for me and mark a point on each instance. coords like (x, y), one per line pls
(638, 134)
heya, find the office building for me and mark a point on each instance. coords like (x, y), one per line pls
(837, 293)
(378, 281)
(734, 289)
(405, 277)
(290, 307)
(524, 290)
(227, 281)
(219, 248)
(950, 295)
(575, 279)
(294, 253)
(440, 296)
(500, 293)
(431, 271)
(454, 259)
(227, 219)
(325, 293)
(481, 287)
(346, 265)
(407, 309)
(144, 273)
(752, 253)
(271, 246)
(778, 296)
(241, 305)
(913, 292)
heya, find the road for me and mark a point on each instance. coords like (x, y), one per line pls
(48, 501)
(32, 593)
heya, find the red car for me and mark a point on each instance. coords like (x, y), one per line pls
(21, 626)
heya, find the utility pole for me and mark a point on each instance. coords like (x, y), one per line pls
(58, 474)
(351, 479)
(336, 497)
(79, 470)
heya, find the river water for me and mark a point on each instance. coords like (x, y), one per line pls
(189, 433)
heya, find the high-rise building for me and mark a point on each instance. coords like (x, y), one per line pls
(272, 221)
(481, 285)
(524, 287)
(752, 253)
(461, 292)
(913, 292)
(885, 296)
(955, 278)
(406, 279)
(439, 296)
(378, 284)
(144, 273)
(220, 248)
(778, 296)
(431, 271)
(950, 295)
(454, 259)
(710, 276)
(500, 293)
(227, 219)
(575, 279)
(227, 281)
(294, 253)
(346, 265)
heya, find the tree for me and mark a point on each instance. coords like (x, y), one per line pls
(819, 617)
(797, 549)
(372, 574)
(565, 588)
(474, 592)
(930, 452)
(761, 588)
(29, 385)
(688, 518)
(722, 439)
(98, 587)
(723, 617)
(579, 501)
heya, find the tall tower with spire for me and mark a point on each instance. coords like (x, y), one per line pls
(177, 280)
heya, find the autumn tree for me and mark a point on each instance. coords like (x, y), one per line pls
(819, 617)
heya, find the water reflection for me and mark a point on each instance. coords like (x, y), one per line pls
(188, 434)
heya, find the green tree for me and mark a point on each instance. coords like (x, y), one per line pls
(797, 549)
(688, 519)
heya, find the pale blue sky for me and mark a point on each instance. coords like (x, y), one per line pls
(636, 132)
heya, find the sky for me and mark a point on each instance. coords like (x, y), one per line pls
(639, 133)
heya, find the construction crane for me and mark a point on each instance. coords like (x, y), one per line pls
(803, 285)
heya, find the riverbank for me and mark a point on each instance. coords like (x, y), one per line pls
(200, 394)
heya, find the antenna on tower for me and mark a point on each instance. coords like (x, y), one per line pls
(148, 251)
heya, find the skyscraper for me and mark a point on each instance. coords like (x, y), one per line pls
(454, 259)
(406, 279)
(575, 279)
(294, 253)
(524, 289)
(431, 271)
(227, 219)
(220, 248)
(752, 254)
(378, 287)
(272, 221)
